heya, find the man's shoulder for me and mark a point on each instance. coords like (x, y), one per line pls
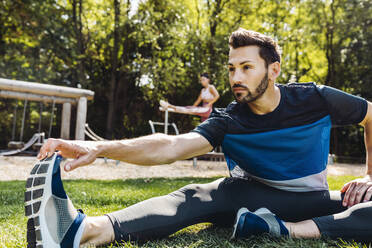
(218, 112)
(300, 91)
(233, 108)
(225, 113)
(298, 86)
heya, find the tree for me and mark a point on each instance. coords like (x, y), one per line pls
(132, 59)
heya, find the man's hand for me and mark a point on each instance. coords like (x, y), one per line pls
(83, 152)
(355, 190)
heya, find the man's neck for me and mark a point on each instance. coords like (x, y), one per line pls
(268, 102)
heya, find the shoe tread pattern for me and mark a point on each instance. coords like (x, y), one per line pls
(34, 192)
(43, 168)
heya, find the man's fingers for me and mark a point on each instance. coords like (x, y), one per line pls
(355, 193)
(368, 195)
(348, 192)
(81, 154)
(359, 192)
(41, 153)
(355, 190)
(48, 149)
(345, 187)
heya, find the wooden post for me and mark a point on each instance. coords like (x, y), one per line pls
(66, 117)
(81, 118)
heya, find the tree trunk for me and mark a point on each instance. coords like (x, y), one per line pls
(330, 79)
(113, 80)
(213, 23)
(77, 9)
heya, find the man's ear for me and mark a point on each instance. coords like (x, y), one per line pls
(274, 71)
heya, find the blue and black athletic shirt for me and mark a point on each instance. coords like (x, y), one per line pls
(288, 147)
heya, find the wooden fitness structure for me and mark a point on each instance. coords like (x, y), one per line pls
(55, 94)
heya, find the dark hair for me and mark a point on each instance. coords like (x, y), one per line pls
(205, 74)
(269, 49)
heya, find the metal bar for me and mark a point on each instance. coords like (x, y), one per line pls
(44, 89)
(51, 119)
(161, 123)
(14, 120)
(23, 120)
(175, 128)
(152, 126)
(35, 97)
(40, 118)
(166, 122)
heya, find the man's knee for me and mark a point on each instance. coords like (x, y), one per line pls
(200, 192)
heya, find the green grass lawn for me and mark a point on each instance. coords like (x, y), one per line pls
(98, 197)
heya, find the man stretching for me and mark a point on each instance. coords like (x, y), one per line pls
(276, 142)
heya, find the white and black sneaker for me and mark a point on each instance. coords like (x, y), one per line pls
(52, 219)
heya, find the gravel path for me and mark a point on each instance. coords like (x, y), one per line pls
(18, 168)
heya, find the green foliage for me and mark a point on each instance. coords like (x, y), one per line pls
(133, 57)
(98, 197)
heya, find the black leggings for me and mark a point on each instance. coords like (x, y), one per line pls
(217, 202)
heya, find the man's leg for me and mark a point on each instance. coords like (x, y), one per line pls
(289, 206)
(217, 202)
(354, 223)
(303, 229)
(98, 231)
(54, 222)
(161, 216)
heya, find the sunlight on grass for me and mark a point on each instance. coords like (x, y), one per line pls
(97, 197)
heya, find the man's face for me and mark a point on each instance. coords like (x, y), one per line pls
(248, 74)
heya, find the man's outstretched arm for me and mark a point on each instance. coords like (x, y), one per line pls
(360, 190)
(147, 150)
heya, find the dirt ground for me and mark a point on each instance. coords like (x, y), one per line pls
(18, 168)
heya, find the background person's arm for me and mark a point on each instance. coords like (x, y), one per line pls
(214, 92)
(367, 124)
(198, 101)
(147, 150)
(360, 190)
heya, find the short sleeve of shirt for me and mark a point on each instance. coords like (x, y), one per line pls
(214, 128)
(344, 108)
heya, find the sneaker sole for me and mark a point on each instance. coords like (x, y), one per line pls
(38, 191)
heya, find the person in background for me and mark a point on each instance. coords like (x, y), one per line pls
(208, 96)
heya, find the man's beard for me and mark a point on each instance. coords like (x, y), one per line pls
(250, 97)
